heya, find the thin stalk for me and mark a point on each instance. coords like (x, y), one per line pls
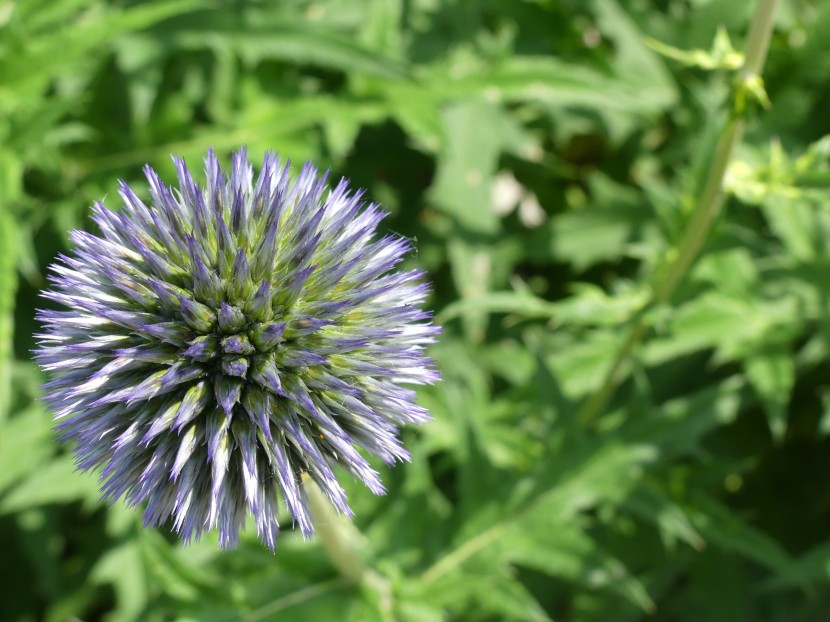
(340, 538)
(344, 545)
(704, 214)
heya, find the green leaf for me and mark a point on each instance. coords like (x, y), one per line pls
(733, 272)
(581, 479)
(654, 506)
(677, 426)
(30, 67)
(711, 320)
(123, 566)
(771, 372)
(811, 569)
(613, 217)
(722, 527)
(521, 303)
(722, 56)
(567, 552)
(475, 133)
(634, 63)
(25, 445)
(794, 223)
(53, 482)
(179, 580)
(590, 305)
(8, 288)
(579, 362)
(549, 80)
(510, 600)
(416, 610)
(472, 265)
(256, 36)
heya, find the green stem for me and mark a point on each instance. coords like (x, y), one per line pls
(700, 223)
(340, 538)
(760, 34)
(344, 545)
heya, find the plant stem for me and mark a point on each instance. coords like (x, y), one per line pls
(760, 34)
(339, 536)
(344, 544)
(704, 214)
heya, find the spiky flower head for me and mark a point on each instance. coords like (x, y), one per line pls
(223, 340)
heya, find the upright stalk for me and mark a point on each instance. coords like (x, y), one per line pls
(339, 537)
(344, 545)
(705, 211)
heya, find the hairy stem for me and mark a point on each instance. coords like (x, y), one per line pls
(706, 209)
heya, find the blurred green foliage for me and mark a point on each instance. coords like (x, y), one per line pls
(545, 158)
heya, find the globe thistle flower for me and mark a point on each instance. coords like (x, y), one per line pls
(223, 340)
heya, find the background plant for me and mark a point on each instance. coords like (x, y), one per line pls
(545, 156)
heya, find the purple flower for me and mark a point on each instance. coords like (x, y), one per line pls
(223, 340)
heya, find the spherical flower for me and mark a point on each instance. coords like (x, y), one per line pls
(223, 340)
